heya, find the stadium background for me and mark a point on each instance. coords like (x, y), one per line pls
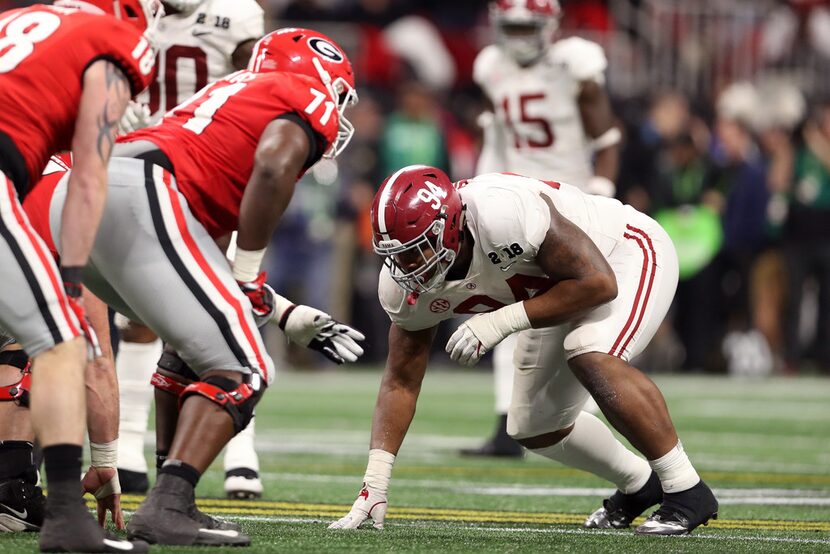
(724, 107)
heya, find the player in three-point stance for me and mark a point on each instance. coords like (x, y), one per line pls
(67, 73)
(544, 260)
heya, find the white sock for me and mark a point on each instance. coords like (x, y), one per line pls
(240, 450)
(675, 470)
(593, 448)
(503, 372)
(135, 365)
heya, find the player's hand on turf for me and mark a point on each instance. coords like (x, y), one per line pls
(136, 116)
(318, 331)
(103, 484)
(261, 296)
(370, 505)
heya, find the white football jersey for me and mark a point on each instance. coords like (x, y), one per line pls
(508, 219)
(195, 50)
(536, 108)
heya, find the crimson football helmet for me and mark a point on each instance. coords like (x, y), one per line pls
(314, 54)
(417, 222)
(144, 14)
(525, 28)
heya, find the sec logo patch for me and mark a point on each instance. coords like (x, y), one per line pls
(439, 306)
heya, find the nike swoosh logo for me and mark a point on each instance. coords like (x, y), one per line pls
(508, 266)
(202, 33)
(21, 515)
(220, 532)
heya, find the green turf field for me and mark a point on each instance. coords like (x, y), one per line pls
(763, 445)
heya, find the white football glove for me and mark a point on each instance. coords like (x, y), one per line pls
(479, 334)
(184, 7)
(370, 504)
(318, 331)
(136, 116)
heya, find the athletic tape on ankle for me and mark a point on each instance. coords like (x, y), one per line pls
(675, 471)
(104, 454)
(379, 469)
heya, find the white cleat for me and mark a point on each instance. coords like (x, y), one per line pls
(243, 484)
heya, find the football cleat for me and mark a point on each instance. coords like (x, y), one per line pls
(682, 512)
(21, 506)
(618, 511)
(243, 483)
(165, 517)
(133, 482)
(69, 527)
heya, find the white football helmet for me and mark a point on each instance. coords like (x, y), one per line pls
(525, 28)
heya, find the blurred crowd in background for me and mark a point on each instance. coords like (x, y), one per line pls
(725, 111)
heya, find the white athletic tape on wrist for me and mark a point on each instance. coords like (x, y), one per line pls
(379, 470)
(246, 264)
(281, 304)
(609, 138)
(113, 486)
(495, 326)
(104, 454)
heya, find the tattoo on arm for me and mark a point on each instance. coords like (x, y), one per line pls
(117, 88)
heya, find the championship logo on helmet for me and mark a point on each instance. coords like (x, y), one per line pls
(417, 221)
(308, 52)
(525, 28)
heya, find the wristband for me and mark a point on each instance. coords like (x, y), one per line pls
(282, 309)
(246, 264)
(72, 278)
(104, 454)
(609, 138)
(379, 469)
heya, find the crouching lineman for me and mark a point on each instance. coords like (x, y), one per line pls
(584, 280)
(226, 159)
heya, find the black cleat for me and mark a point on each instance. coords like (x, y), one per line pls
(682, 512)
(212, 522)
(621, 509)
(69, 527)
(133, 482)
(21, 506)
(167, 517)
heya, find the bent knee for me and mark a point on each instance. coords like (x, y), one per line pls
(546, 439)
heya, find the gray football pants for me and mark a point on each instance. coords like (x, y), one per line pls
(155, 263)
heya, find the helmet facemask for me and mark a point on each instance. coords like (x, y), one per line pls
(432, 270)
(343, 95)
(523, 33)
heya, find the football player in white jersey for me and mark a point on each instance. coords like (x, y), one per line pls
(200, 41)
(549, 118)
(584, 280)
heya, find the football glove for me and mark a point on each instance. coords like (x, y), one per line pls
(261, 296)
(317, 330)
(136, 116)
(479, 334)
(370, 504)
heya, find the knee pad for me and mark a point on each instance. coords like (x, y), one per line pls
(238, 399)
(17, 392)
(176, 383)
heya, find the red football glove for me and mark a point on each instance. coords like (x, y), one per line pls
(261, 296)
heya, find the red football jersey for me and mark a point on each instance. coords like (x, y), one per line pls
(36, 204)
(211, 139)
(44, 51)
